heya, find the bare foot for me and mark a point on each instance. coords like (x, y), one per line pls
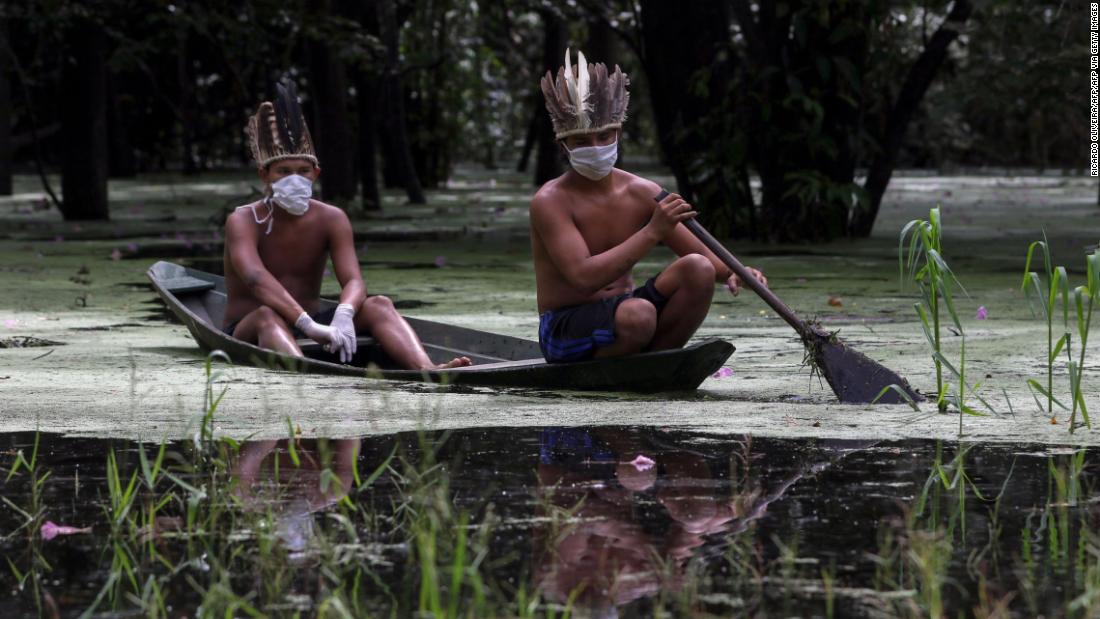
(457, 362)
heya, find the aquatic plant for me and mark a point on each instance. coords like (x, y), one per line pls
(1057, 280)
(925, 266)
(32, 517)
(1085, 299)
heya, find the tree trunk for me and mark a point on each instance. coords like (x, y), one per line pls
(916, 84)
(538, 110)
(393, 110)
(366, 87)
(707, 172)
(332, 123)
(189, 115)
(84, 124)
(120, 162)
(6, 116)
(548, 166)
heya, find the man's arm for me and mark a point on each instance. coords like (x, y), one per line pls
(241, 235)
(683, 242)
(570, 253)
(344, 263)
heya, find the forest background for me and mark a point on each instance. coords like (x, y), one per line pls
(782, 121)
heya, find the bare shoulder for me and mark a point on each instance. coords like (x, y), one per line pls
(242, 216)
(551, 199)
(550, 192)
(332, 215)
(641, 188)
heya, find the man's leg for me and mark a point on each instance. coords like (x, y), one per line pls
(635, 323)
(267, 329)
(688, 284)
(397, 338)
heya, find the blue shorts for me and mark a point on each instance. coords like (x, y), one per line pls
(574, 332)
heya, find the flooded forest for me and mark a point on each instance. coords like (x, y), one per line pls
(433, 308)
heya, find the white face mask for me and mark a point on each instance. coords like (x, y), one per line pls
(292, 193)
(594, 162)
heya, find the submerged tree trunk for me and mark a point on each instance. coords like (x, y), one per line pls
(529, 139)
(84, 123)
(188, 112)
(706, 163)
(331, 122)
(398, 153)
(916, 84)
(120, 163)
(366, 88)
(549, 165)
(6, 116)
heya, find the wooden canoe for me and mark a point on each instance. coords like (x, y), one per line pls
(198, 300)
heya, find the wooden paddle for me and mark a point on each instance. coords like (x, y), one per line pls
(854, 377)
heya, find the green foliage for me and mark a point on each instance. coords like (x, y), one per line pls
(923, 264)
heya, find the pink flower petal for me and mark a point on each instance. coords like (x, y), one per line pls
(116, 254)
(440, 261)
(723, 373)
(51, 530)
(642, 463)
(11, 324)
(982, 313)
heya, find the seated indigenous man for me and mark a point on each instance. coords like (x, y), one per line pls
(592, 224)
(276, 250)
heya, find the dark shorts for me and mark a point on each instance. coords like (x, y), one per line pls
(323, 317)
(573, 333)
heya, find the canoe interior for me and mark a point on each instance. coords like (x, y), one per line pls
(198, 300)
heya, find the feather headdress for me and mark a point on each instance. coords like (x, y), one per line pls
(586, 99)
(278, 131)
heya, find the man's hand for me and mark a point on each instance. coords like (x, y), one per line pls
(669, 212)
(326, 336)
(343, 321)
(734, 283)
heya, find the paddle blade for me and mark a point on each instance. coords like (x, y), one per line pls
(856, 378)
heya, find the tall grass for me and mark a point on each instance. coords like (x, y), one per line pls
(920, 259)
(1047, 288)
(1057, 281)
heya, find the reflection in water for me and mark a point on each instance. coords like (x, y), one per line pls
(640, 507)
(300, 481)
(608, 521)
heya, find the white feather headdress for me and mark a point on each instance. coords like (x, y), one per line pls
(585, 99)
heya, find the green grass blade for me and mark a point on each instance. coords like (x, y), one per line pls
(901, 393)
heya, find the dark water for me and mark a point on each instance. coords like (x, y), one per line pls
(503, 521)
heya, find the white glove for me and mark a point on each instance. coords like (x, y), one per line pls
(321, 334)
(343, 321)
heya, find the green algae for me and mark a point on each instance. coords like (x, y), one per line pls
(125, 370)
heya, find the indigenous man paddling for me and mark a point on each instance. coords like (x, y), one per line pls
(276, 250)
(593, 223)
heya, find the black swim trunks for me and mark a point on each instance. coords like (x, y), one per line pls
(323, 317)
(573, 333)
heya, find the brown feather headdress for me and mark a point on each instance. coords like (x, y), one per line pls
(585, 99)
(278, 130)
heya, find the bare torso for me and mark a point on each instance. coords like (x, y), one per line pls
(295, 253)
(604, 220)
